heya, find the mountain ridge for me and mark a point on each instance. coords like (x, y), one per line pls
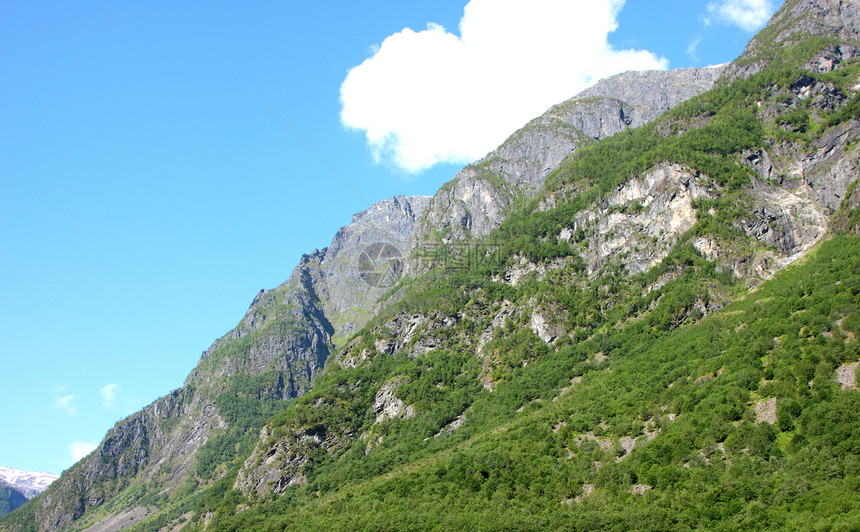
(724, 200)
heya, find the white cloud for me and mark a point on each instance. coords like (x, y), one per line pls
(693, 49)
(66, 403)
(109, 393)
(431, 96)
(749, 15)
(79, 449)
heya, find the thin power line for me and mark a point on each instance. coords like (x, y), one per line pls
(318, 154)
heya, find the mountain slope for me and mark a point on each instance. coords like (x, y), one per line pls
(478, 198)
(726, 190)
(188, 438)
(736, 421)
(597, 348)
(10, 499)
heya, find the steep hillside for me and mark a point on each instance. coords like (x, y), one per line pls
(191, 437)
(656, 331)
(514, 390)
(654, 420)
(479, 197)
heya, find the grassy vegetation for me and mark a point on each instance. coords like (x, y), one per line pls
(546, 448)
(712, 465)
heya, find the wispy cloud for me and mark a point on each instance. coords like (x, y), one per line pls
(79, 449)
(113, 398)
(109, 393)
(66, 402)
(693, 48)
(432, 96)
(749, 15)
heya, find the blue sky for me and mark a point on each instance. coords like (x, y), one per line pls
(148, 190)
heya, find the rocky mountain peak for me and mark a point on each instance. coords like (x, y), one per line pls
(824, 18)
(800, 20)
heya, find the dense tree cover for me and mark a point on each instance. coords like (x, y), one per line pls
(712, 465)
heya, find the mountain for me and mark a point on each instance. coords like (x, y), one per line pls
(285, 338)
(29, 483)
(640, 311)
(476, 201)
(10, 499)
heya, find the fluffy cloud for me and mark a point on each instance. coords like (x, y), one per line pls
(109, 394)
(749, 15)
(80, 449)
(431, 96)
(66, 402)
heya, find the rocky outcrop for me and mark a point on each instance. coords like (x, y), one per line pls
(788, 221)
(543, 326)
(477, 199)
(386, 405)
(798, 20)
(640, 222)
(765, 411)
(413, 332)
(846, 376)
(274, 469)
(364, 261)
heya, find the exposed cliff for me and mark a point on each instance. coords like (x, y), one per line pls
(477, 199)
(276, 351)
(829, 29)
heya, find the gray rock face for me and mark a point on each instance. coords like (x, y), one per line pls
(386, 405)
(281, 465)
(477, 199)
(800, 19)
(365, 259)
(641, 221)
(790, 222)
(831, 18)
(647, 95)
(278, 460)
(289, 331)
